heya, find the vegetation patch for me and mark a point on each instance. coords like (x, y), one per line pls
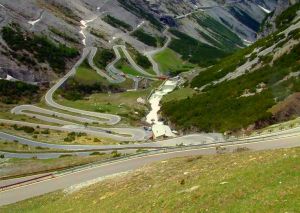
(194, 51)
(146, 38)
(103, 57)
(125, 67)
(117, 23)
(13, 168)
(171, 63)
(86, 82)
(14, 92)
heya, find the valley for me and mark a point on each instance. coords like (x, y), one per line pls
(93, 89)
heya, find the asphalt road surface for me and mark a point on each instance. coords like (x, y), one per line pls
(67, 180)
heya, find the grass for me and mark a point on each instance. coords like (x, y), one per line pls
(241, 182)
(125, 67)
(15, 146)
(140, 59)
(168, 60)
(57, 137)
(103, 57)
(123, 104)
(117, 23)
(179, 94)
(146, 38)
(87, 76)
(11, 168)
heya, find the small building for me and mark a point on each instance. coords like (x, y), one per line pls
(160, 130)
(141, 101)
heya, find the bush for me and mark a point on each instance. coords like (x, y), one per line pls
(116, 154)
(97, 153)
(117, 23)
(143, 61)
(103, 58)
(144, 37)
(65, 156)
(13, 92)
(45, 132)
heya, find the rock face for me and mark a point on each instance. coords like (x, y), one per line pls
(60, 21)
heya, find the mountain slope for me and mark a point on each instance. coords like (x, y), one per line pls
(221, 25)
(256, 86)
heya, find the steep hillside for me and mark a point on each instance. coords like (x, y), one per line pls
(220, 26)
(254, 87)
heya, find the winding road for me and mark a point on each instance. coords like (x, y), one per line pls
(77, 120)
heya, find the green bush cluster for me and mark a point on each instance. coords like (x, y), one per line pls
(26, 129)
(117, 23)
(13, 92)
(72, 136)
(143, 61)
(74, 90)
(43, 49)
(103, 58)
(146, 38)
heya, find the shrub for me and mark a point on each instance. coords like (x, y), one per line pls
(13, 92)
(143, 61)
(117, 23)
(144, 37)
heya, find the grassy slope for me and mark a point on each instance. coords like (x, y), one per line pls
(88, 76)
(15, 146)
(179, 94)
(23, 167)
(242, 182)
(169, 61)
